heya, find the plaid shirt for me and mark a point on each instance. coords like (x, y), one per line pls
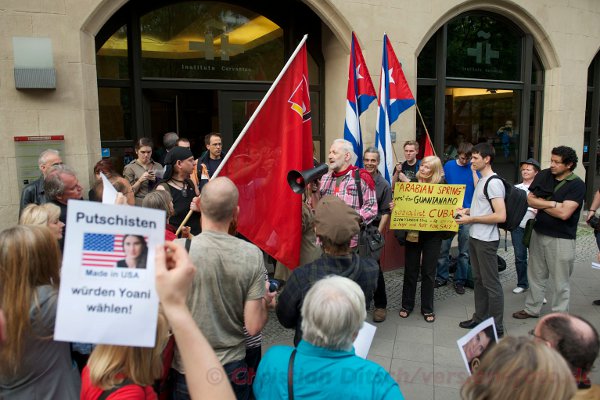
(363, 271)
(348, 193)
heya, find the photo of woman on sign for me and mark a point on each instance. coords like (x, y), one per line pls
(136, 252)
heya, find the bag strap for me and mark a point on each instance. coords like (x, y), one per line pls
(106, 393)
(358, 187)
(188, 243)
(291, 376)
(485, 189)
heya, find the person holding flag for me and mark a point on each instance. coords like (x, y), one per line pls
(360, 95)
(394, 98)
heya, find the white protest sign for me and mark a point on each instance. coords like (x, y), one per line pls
(109, 193)
(107, 293)
(474, 344)
(364, 339)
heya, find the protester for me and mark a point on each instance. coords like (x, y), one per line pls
(32, 365)
(211, 159)
(557, 193)
(61, 185)
(46, 214)
(174, 276)
(333, 312)
(162, 200)
(458, 172)
(484, 215)
(33, 192)
(383, 192)
(229, 290)
(179, 164)
(136, 252)
(125, 372)
(407, 171)
(520, 369)
(341, 180)
(185, 142)
(335, 225)
(529, 169)
(591, 214)
(577, 341)
(121, 184)
(141, 172)
(422, 251)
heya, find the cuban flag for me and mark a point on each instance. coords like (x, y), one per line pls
(394, 98)
(360, 95)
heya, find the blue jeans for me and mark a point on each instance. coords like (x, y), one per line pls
(236, 371)
(462, 266)
(520, 256)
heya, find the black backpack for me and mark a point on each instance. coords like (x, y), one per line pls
(515, 200)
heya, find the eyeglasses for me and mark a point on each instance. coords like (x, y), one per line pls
(532, 334)
(217, 144)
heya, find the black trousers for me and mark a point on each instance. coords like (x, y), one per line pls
(423, 256)
(380, 297)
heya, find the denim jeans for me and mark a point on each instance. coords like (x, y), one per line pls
(236, 371)
(462, 266)
(516, 236)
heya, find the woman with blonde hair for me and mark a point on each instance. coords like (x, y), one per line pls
(32, 365)
(125, 372)
(47, 214)
(518, 368)
(422, 252)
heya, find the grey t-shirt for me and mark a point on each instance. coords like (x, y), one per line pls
(46, 371)
(481, 206)
(230, 272)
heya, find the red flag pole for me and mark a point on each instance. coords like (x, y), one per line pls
(426, 131)
(249, 123)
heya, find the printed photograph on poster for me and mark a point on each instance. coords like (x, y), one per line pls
(106, 250)
(475, 344)
(107, 275)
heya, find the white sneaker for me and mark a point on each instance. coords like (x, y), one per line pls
(545, 301)
(518, 290)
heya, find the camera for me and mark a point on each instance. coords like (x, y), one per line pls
(594, 222)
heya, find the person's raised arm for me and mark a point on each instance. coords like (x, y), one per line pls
(204, 374)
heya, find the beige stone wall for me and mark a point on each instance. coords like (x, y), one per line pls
(566, 32)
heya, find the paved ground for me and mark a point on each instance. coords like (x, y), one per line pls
(424, 358)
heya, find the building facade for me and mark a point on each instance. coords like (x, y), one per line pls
(523, 75)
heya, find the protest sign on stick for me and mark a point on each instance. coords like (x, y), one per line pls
(107, 293)
(426, 206)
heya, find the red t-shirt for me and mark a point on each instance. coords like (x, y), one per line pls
(128, 392)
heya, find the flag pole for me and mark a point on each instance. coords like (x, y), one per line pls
(425, 126)
(243, 132)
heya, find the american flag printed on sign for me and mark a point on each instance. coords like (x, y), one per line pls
(102, 250)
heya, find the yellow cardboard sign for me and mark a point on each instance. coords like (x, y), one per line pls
(426, 206)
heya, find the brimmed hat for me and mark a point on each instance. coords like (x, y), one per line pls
(531, 161)
(335, 220)
(177, 153)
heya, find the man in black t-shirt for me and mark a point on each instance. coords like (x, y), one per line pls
(557, 193)
(407, 171)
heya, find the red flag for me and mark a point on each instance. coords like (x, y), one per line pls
(276, 139)
(429, 151)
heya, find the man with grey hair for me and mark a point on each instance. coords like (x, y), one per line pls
(342, 179)
(335, 225)
(170, 140)
(228, 291)
(61, 185)
(33, 192)
(324, 364)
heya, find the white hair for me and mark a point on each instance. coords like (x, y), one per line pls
(333, 312)
(45, 154)
(348, 148)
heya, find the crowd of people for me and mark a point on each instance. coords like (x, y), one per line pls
(216, 295)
